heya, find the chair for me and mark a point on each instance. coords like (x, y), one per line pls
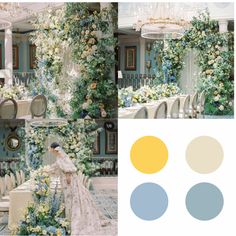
(38, 106)
(22, 175)
(185, 111)
(18, 178)
(201, 105)
(193, 105)
(142, 113)
(174, 110)
(161, 111)
(8, 183)
(3, 196)
(13, 180)
(8, 109)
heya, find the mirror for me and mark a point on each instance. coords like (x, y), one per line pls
(13, 142)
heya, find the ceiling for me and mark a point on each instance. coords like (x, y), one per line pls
(21, 19)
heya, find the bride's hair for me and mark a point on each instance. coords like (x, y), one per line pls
(54, 145)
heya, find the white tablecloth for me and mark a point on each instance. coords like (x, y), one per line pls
(129, 112)
(20, 198)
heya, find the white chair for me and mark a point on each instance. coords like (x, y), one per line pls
(161, 111)
(174, 110)
(193, 105)
(142, 113)
(18, 178)
(185, 111)
(38, 106)
(8, 111)
(201, 105)
(4, 203)
(13, 180)
(22, 175)
(8, 183)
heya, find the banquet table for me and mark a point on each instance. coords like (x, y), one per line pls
(23, 108)
(20, 198)
(129, 112)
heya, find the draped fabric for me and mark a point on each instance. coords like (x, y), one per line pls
(80, 208)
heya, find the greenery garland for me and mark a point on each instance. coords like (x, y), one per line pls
(77, 137)
(91, 38)
(215, 56)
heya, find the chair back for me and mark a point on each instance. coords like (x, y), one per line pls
(8, 183)
(161, 111)
(202, 100)
(38, 106)
(13, 180)
(174, 110)
(194, 101)
(142, 113)
(22, 176)
(18, 178)
(2, 187)
(186, 107)
(8, 109)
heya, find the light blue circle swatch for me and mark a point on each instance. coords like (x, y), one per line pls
(204, 201)
(149, 201)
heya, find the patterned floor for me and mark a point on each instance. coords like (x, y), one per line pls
(104, 192)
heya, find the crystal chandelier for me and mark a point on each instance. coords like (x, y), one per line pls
(11, 8)
(162, 21)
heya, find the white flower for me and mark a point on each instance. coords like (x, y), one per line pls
(230, 104)
(221, 107)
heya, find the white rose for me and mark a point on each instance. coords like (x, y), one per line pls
(221, 107)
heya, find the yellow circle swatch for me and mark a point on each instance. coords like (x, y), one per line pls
(149, 154)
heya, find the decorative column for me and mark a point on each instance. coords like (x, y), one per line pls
(8, 56)
(25, 54)
(142, 43)
(108, 5)
(223, 26)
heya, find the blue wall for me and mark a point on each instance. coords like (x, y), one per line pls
(151, 56)
(23, 47)
(103, 139)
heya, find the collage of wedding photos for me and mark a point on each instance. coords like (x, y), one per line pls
(69, 71)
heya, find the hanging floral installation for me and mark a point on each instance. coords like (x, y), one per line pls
(215, 59)
(77, 138)
(86, 39)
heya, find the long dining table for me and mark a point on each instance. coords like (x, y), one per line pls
(129, 112)
(20, 198)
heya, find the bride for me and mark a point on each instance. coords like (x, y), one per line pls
(80, 208)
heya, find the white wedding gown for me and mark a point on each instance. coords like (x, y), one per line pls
(80, 208)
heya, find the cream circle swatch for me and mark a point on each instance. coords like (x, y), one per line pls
(204, 154)
(149, 154)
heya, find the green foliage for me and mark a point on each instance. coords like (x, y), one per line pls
(91, 38)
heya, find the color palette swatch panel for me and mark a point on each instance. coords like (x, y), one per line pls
(176, 178)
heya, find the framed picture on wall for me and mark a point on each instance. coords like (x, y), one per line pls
(96, 145)
(15, 57)
(0, 56)
(111, 141)
(32, 52)
(130, 58)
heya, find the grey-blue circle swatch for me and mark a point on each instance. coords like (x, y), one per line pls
(149, 201)
(204, 201)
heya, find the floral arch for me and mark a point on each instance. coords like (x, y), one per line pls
(215, 60)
